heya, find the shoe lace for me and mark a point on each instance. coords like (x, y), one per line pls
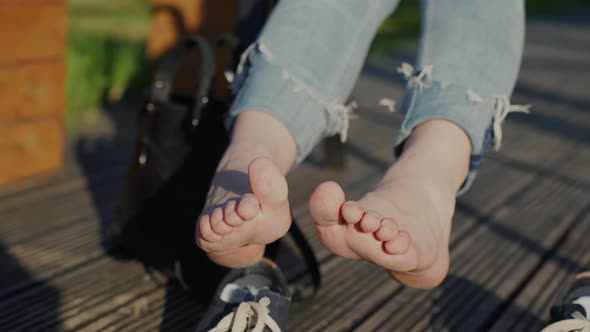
(578, 323)
(250, 317)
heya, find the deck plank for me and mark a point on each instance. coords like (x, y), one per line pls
(571, 257)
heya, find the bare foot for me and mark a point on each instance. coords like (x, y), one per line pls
(404, 224)
(239, 221)
(247, 205)
(394, 226)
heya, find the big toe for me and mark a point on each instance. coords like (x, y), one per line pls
(267, 182)
(325, 203)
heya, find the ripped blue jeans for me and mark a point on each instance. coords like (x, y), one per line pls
(306, 60)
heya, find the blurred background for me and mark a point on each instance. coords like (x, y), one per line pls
(74, 75)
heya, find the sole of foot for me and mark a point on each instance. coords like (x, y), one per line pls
(406, 242)
(235, 232)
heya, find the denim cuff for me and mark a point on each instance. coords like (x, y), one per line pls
(442, 100)
(263, 86)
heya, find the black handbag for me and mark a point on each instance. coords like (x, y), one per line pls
(180, 142)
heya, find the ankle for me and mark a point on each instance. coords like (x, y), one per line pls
(437, 151)
(258, 134)
(240, 154)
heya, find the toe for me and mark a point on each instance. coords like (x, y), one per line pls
(248, 207)
(399, 245)
(230, 216)
(352, 212)
(205, 231)
(324, 208)
(370, 222)
(217, 223)
(387, 231)
(268, 184)
(325, 203)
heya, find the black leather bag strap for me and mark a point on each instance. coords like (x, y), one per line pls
(308, 255)
(168, 68)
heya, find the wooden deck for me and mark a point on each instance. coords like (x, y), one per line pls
(517, 235)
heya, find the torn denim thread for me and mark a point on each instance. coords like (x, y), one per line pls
(419, 80)
(387, 103)
(339, 114)
(473, 97)
(503, 108)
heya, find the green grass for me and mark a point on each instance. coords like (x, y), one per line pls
(126, 20)
(403, 25)
(106, 55)
(106, 52)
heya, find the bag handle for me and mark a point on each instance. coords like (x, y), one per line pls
(169, 66)
(308, 256)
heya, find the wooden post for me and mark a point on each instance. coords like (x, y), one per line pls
(32, 88)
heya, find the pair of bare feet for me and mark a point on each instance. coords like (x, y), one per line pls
(402, 225)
